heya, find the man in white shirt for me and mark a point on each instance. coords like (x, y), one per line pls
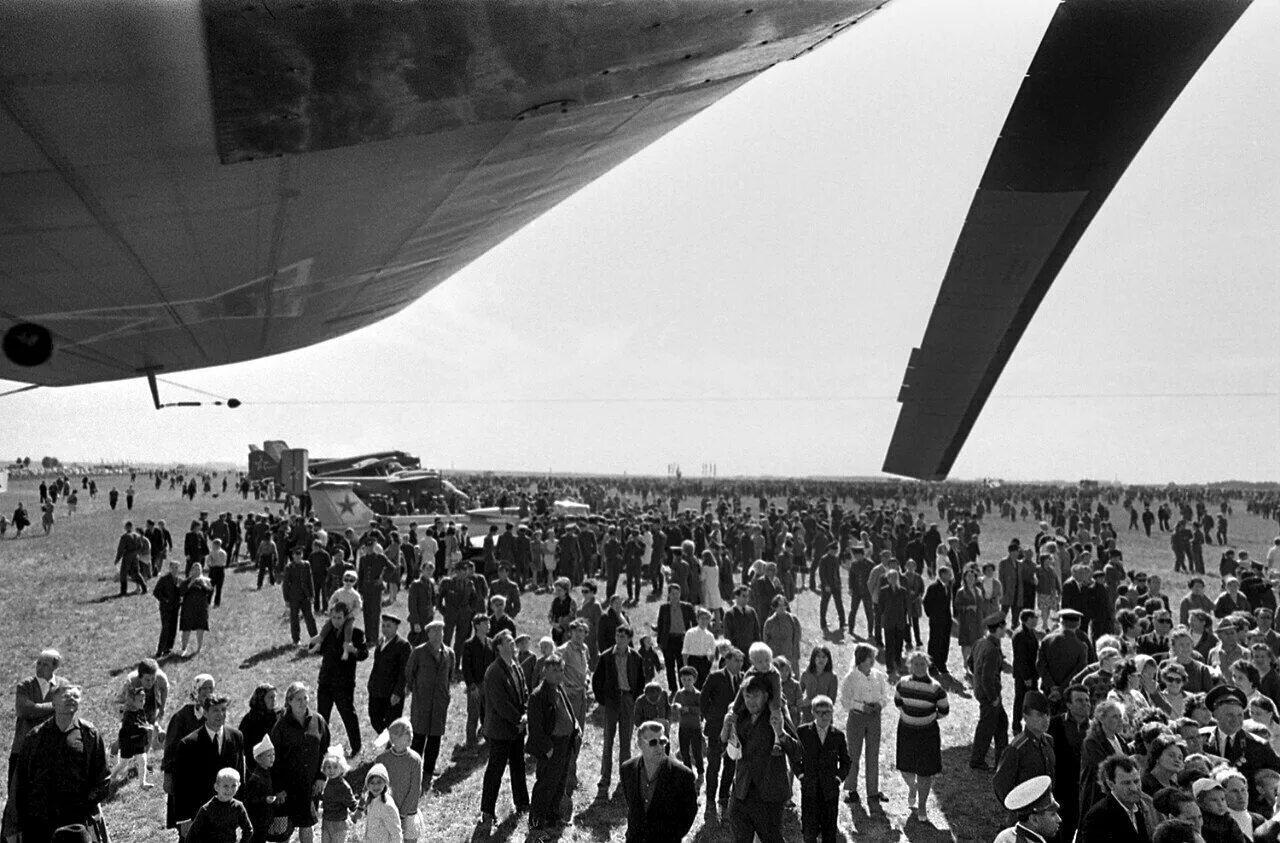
(700, 645)
(864, 692)
(1273, 555)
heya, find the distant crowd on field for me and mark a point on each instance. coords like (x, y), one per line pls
(1126, 725)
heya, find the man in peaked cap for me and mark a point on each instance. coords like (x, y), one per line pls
(993, 722)
(1229, 739)
(1038, 817)
(1030, 754)
(1062, 655)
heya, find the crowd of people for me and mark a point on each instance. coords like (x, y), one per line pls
(1117, 711)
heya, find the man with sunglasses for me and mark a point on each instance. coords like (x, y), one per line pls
(661, 793)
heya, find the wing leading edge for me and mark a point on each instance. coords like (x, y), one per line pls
(1105, 74)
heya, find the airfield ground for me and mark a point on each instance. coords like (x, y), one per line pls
(60, 591)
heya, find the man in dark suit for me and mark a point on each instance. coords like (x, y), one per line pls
(1156, 643)
(761, 782)
(824, 764)
(829, 577)
(661, 793)
(1117, 817)
(612, 618)
(1026, 646)
(617, 680)
(336, 685)
(716, 698)
(298, 590)
(200, 755)
(60, 775)
(937, 608)
(387, 677)
(1243, 750)
(675, 618)
(554, 730)
(741, 623)
(1067, 731)
(506, 700)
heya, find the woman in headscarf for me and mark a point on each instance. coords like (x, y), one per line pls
(184, 721)
(196, 592)
(261, 716)
(301, 738)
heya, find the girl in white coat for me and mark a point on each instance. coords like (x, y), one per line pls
(381, 817)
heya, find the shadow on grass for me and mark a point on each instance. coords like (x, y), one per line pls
(462, 763)
(502, 831)
(105, 598)
(266, 655)
(600, 817)
(955, 791)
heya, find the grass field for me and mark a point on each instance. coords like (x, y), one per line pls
(60, 592)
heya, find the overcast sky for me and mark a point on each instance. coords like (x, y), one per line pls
(746, 292)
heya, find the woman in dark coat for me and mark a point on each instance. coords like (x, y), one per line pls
(301, 738)
(1101, 741)
(261, 716)
(183, 722)
(196, 592)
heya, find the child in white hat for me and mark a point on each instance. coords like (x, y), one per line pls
(381, 816)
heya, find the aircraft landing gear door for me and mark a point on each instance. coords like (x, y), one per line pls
(293, 470)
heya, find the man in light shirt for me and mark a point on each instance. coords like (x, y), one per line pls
(864, 692)
(700, 645)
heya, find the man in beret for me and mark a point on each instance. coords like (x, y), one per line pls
(1230, 740)
(993, 722)
(1031, 753)
(1039, 817)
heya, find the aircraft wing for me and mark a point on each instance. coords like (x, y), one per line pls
(188, 183)
(1105, 74)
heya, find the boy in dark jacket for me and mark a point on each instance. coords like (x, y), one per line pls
(824, 764)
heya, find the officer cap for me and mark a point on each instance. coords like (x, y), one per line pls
(1224, 695)
(1033, 795)
(395, 619)
(1070, 616)
(994, 619)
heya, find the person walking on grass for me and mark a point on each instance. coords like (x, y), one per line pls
(196, 593)
(864, 692)
(506, 699)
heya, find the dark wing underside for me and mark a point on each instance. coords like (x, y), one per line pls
(1103, 77)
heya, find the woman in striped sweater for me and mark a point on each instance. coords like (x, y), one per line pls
(920, 701)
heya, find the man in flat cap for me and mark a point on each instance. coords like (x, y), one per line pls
(1038, 814)
(1031, 753)
(993, 722)
(1063, 654)
(387, 676)
(1230, 740)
